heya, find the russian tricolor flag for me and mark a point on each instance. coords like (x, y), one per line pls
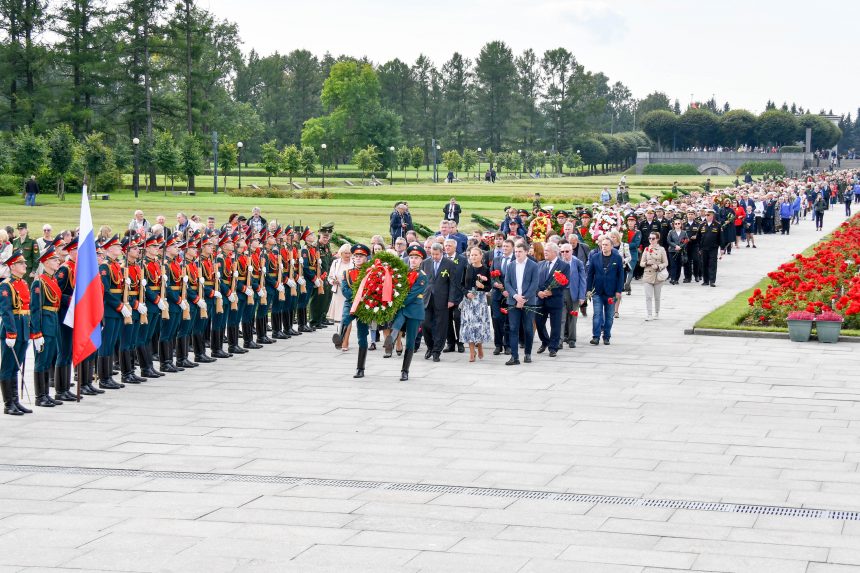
(86, 311)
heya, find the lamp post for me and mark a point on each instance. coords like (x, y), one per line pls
(214, 162)
(135, 183)
(479, 164)
(580, 156)
(436, 148)
(391, 170)
(323, 147)
(239, 146)
(544, 164)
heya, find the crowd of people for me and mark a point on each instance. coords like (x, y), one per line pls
(199, 292)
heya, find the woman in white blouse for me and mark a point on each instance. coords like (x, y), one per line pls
(341, 263)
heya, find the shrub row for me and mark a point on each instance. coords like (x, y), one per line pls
(670, 169)
(761, 167)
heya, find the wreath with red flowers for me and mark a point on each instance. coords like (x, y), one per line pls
(385, 286)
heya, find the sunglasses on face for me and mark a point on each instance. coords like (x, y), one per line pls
(653, 238)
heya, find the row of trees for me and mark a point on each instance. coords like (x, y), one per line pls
(701, 127)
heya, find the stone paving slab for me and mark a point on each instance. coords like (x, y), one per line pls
(656, 415)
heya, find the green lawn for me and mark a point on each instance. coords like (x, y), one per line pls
(356, 211)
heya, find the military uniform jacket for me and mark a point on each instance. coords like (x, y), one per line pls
(309, 258)
(152, 273)
(258, 260)
(15, 308)
(193, 272)
(413, 306)
(273, 263)
(66, 281)
(45, 297)
(646, 229)
(29, 250)
(692, 228)
(208, 270)
(346, 285)
(709, 235)
(135, 274)
(112, 284)
(173, 292)
(226, 263)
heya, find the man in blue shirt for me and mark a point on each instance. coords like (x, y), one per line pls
(605, 281)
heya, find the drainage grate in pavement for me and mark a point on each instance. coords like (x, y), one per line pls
(560, 497)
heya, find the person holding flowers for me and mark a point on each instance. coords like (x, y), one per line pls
(410, 315)
(605, 281)
(521, 286)
(553, 280)
(474, 313)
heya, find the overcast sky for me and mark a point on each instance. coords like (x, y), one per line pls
(743, 52)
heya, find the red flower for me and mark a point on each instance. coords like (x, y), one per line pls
(504, 310)
(610, 300)
(496, 273)
(574, 313)
(560, 278)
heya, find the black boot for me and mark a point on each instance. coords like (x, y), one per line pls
(8, 403)
(337, 337)
(388, 344)
(130, 360)
(40, 387)
(200, 350)
(146, 369)
(248, 337)
(362, 357)
(278, 326)
(126, 366)
(85, 378)
(16, 401)
(303, 319)
(62, 383)
(233, 341)
(182, 354)
(166, 356)
(407, 361)
(103, 367)
(262, 338)
(216, 343)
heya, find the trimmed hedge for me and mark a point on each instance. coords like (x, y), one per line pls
(761, 167)
(670, 169)
(299, 177)
(791, 149)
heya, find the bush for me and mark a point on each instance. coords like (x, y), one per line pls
(670, 169)
(329, 174)
(791, 149)
(11, 185)
(761, 167)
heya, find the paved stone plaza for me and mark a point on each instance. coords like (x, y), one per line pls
(280, 461)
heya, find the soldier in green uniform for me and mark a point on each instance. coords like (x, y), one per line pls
(45, 296)
(29, 250)
(15, 328)
(321, 301)
(111, 274)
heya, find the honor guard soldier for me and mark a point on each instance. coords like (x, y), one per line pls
(709, 245)
(411, 315)
(290, 256)
(193, 300)
(129, 337)
(45, 296)
(229, 288)
(111, 274)
(15, 315)
(322, 300)
(309, 259)
(245, 290)
(176, 305)
(208, 287)
(259, 261)
(222, 292)
(29, 250)
(360, 253)
(151, 287)
(275, 291)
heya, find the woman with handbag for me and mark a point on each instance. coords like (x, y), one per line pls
(654, 261)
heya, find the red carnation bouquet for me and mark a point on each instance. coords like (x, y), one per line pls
(559, 279)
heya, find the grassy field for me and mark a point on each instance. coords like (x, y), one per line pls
(356, 211)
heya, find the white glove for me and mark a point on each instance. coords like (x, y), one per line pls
(291, 283)
(126, 311)
(218, 275)
(201, 280)
(183, 305)
(249, 292)
(302, 281)
(10, 342)
(39, 343)
(185, 278)
(235, 273)
(141, 309)
(262, 291)
(143, 282)
(280, 288)
(251, 269)
(233, 297)
(218, 294)
(127, 281)
(201, 303)
(318, 283)
(164, 277)
(162, 304)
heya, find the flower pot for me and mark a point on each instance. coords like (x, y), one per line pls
(799, 330)
(828, 331)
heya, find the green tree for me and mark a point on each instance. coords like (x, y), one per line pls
(292, 161)
(404, 160)
(167, 157)
(61, 153)
(29, 154)
(367, 160)
(776, 127)
(660, 125)
(271, 159)
(593, 152)
(228, 154)
(457, 96)
(453, 160)
(652, 102)
(190, 158)
(417, 159)
(496, 76)
(738, 127)
(308, 160)
(96, 158)
(470, 159)
(824, 134)
(699, 127)
(574, 160)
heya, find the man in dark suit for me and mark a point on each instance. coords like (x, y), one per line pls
(458, 279)
(521, 286)
(574, 295)
(498, 301)
(551, 300)
(605, 280)
(399, 222)
(452, 211)
(440, 296)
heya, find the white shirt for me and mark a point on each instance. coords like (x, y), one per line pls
(521, 271)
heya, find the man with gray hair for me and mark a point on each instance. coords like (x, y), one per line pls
(256, 221)
(439, 297)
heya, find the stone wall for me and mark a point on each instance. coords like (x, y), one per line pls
(721, 163)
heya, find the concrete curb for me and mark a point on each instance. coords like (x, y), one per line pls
(754, 334)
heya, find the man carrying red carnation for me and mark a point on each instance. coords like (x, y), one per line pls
(553, 280)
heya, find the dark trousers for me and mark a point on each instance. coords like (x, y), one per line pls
(675, 265)
(693, 266)
(709, 265)
(517, 318)
(435, 327)
(500, 325)
(570, 306)
(786, 223)
(819, 220)
(551, 339)
(453, 332)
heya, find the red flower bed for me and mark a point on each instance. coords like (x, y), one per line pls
(826, 280)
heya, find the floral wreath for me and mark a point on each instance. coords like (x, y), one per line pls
(382, 289)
